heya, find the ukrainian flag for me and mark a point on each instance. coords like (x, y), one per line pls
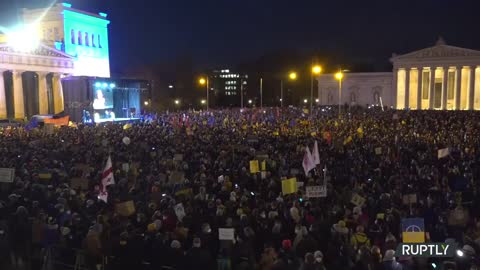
(413, 230)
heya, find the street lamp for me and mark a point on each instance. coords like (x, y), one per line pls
(305, 101)
(339, 77)
(203, 101)
(146, 103)
(316, 70)
(292, 76)
(249, 101)
(177, 101)
(317, 100)
(204, 81)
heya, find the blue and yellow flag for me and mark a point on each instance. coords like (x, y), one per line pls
(413, 230)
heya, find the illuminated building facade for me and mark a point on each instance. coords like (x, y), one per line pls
(228, 86)
(80, 34)
(440, 77)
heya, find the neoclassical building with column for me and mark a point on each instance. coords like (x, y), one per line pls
(441, 77)
(30, 81)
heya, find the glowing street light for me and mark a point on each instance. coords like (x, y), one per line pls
(316, 70)
(339, 77)
(249, 101)
(317, 100)
(203, 101)
(305, 101)
(204, 81)
(177, 101)
(146, 103)
(292, 76)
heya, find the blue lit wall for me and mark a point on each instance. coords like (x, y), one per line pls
(92, 53)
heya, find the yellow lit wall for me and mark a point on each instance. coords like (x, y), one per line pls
(401, 76)
(425, 89)
(464, 89)
(476, 101)
(438, 79)
(451, 89)
(412, 100)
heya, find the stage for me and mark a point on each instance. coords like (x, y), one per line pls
(116, 120)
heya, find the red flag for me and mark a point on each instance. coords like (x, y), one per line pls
(308, 163)
(107, 179)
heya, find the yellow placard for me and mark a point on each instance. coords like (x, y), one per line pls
(254, 168)
(125, 209)
(264, 165)
(381, 216)
(289, 186)
(45, 176)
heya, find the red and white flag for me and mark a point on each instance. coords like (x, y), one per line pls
(316, 155)
(107, 179)
(308, 163)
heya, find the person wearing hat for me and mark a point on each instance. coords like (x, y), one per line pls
(389, 262)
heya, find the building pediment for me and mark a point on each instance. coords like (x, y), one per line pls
(437, 52)
(41, 50)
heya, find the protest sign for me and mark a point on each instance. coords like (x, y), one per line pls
(381, 216)
(378, 151)
(45, 175)
(125, 209)
(254, 168)
(178, 157)
(294, 172)
(264, 165)
(263, 175)
(413, 230)
(299, 185)
(357, 200)
(226, 234)
(443, 152)
(289, 186)
(79, 182)
(125, 167)
(179, 211)
(316, 191)
(7, 175)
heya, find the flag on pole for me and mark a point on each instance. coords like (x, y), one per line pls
(316, 155)
(107, 179)
(307, 163)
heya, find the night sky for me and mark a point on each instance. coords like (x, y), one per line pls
(232, 32)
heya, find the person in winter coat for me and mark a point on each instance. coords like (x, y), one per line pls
(389, 262)
(359, 238)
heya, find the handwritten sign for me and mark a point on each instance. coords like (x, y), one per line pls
(316, 191)
(7, 175)
(226, 234)
(357, 200)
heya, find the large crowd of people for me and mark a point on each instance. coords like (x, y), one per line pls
(180, 176)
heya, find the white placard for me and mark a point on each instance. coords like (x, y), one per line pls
(443, 153)
(316, 191)
(226, 233)
(7, 175)
(179, 211)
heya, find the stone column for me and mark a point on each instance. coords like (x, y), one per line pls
(471, 88)
(419, 88)
(3, 98)
(57, 93)
(18, 99)
(444, 88)
(407, 88)
(42, 93)
(395, 87)
(432, 87)
(458, 87)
